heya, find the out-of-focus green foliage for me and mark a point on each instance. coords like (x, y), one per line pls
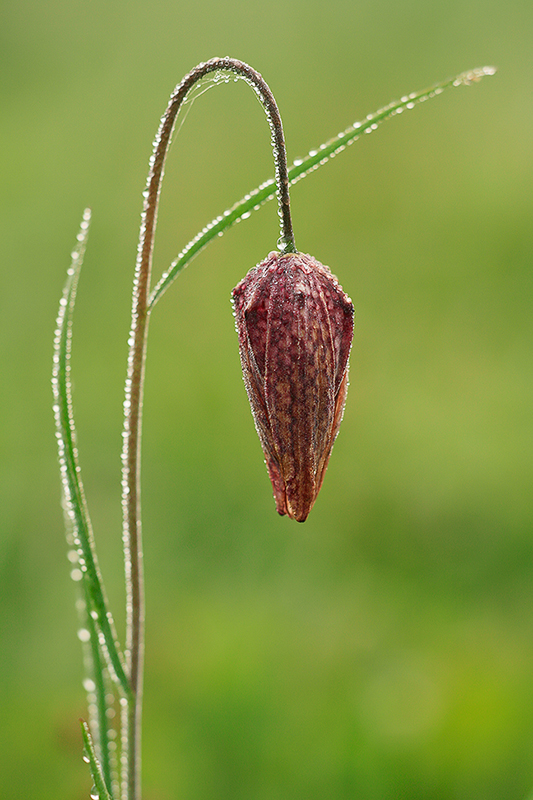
(383, 649)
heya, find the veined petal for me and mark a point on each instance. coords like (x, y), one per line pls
(295, 327)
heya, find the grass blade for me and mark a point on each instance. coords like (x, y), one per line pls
(98, 695)
(75, 503)
(99, 790)
(302, 167)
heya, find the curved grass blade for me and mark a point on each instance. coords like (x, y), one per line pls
(75, 503)
(99, 790)
(302, 167)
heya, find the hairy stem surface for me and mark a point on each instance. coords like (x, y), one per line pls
(131, 497)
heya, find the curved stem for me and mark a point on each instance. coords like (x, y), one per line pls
(131, 502)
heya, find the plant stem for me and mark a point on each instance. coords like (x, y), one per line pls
(131, 495)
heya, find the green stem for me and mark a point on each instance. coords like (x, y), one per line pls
(131, 498)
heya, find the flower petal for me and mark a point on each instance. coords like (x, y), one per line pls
(295, 327)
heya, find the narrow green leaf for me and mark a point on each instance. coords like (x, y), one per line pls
(98, 686)
(99, 790)
(75, 503)
(302, 167)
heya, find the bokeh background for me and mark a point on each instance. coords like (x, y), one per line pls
(384, 649)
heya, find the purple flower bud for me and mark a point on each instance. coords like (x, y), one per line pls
(295, 327)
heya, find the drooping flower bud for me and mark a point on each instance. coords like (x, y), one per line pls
(295, 327)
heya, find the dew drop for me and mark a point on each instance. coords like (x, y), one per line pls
(283, 244)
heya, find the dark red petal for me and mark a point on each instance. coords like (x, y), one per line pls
(295, 327)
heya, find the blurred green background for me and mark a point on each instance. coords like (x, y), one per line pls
(384, 649)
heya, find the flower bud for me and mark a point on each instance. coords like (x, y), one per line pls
(295, 327)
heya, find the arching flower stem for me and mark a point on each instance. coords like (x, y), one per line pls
(131, 502)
